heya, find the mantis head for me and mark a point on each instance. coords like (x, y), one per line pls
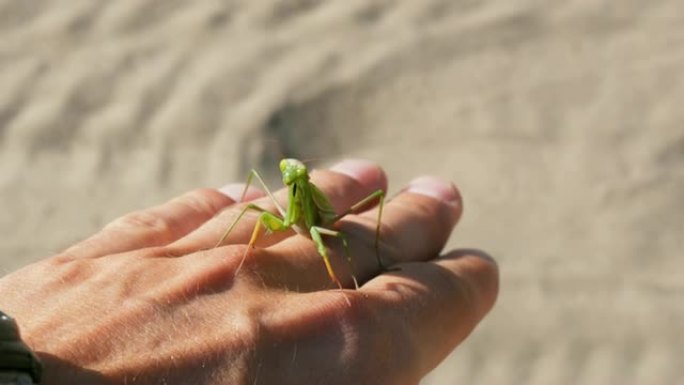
(292, 170)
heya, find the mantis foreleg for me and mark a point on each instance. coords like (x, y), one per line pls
(255, 173)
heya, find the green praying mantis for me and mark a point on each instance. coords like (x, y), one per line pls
(308, 212)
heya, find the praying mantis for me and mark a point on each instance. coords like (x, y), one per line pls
(308, 212)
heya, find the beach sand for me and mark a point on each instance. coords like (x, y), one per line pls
(561, 123)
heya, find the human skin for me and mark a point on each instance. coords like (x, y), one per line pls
(149, 300)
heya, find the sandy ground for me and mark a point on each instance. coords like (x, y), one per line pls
(561, 122)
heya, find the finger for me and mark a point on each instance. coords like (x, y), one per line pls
(397, 327)
(237, 192)
(423, 311)
(415, 225)
(344, 184)
(156, 226)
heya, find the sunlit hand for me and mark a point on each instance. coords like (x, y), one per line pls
(148, 300)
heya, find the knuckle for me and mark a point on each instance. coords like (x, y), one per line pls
(415, 229)
(361, 233)
(485, 280)
(431, 215)
(375, 343)
(363, 228)
(357, 309)
(141, 220)
(69, 272)
(390, 242)
(467, 290)
(205, 200)
(473, 281)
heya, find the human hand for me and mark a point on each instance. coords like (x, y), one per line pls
(147, 300)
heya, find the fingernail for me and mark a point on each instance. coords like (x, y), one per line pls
(435, 188)
(359, 169)
(234, 192)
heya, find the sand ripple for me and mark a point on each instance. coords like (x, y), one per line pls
(560, 121)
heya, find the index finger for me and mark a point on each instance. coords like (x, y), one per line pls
(428, 308)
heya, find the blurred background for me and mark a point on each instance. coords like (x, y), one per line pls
(560, 121)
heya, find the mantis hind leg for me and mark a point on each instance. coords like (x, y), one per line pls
(267, 220)
(378, 195)
(323, 251)
(236, 220)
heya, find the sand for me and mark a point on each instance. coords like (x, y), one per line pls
(561, 122)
